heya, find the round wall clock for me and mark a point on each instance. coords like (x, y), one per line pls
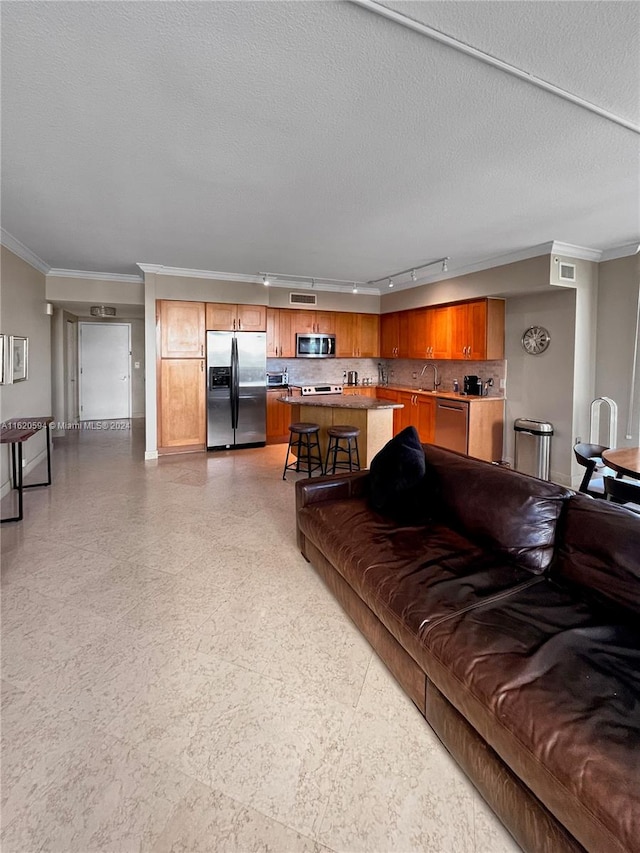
(535, 340)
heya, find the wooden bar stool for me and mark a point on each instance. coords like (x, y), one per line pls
(304, 436)
(338, 434)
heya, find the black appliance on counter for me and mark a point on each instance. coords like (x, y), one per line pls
(472, 386)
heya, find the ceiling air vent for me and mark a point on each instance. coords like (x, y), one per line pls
(303, 299)
(567, 272)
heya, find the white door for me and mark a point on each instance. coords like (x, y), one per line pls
(105, 368)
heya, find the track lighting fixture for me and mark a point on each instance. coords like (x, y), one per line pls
(411, 271)
(284, 279)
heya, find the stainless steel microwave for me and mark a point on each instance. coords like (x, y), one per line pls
(315, 345)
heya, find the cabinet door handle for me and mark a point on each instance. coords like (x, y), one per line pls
(201, 366)
(239, 324)
(201, 349)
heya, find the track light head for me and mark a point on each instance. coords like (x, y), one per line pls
(390, 282)
(444, 265)
(265, 280)
(413, 275)
(355, 287)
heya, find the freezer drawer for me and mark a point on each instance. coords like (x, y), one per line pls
(452, 425)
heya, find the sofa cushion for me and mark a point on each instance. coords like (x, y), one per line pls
(555, 690)
(599, 551)
(396, 472)
(497, 507)
(407, 575)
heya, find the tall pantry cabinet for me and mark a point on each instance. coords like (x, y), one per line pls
(180, 331)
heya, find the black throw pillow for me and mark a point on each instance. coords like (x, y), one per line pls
(396, 474)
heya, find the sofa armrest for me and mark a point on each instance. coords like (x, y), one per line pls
(328, 488)
(332, 488)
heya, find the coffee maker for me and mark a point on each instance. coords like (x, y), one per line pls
(472, 386)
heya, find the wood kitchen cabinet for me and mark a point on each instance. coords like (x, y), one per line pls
(477, 329)
(227, 317)
(394, 334)
(419, 411)
(368, 335)
(181, 403)
(357, 335)
(182, 328)
(278, 418)
(281, 333)
(315, 322)
(181, 384)
(429, 333)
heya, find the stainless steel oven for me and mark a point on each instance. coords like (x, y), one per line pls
(315, 345)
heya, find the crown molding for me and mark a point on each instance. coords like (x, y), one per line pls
(160, 269)
(621, 252)
(581, 253)
(98, 276)
(14, 245)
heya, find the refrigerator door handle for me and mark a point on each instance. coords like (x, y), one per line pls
(235, 390)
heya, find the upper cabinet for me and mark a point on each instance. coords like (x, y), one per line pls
(182, 329)
(394, 334)
(226, 317)
(281, 336)
(357, 335)
(467, 330)
(314, 322)
(477, 330)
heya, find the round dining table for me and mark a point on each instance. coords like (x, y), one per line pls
(624, 460)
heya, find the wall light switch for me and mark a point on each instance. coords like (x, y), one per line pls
(136, 364)
(503, 384)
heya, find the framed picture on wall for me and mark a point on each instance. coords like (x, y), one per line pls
(4, 359)
(19, 356)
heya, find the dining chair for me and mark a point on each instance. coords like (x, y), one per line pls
(590, 457)
(623, 492)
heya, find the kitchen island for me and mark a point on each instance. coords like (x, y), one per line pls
(374, 418)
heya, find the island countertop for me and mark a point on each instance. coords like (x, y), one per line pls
(339, 401)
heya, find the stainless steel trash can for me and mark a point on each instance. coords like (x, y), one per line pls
(533, 447)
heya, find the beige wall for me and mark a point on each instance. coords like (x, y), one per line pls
(245, 293)
(618, 297)
(94, 291)
(22, 312)
(541, 386)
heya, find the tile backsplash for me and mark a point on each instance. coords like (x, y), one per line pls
(399, 371)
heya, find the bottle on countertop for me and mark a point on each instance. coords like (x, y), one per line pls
(456, 387)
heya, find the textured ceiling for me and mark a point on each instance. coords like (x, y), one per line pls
(313, 138)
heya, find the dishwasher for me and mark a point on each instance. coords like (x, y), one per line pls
(452, 425)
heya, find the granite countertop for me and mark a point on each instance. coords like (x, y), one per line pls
(338, 401)
(447, 395)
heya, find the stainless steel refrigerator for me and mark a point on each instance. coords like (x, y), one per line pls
(236, 389)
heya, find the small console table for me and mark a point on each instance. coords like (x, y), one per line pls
(15, 432)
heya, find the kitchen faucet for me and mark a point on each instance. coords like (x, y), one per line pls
(436, 381)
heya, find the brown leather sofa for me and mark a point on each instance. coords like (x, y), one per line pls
(510, 614)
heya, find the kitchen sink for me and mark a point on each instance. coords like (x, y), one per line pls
(427, 391)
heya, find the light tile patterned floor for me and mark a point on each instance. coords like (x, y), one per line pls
(175, 677)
